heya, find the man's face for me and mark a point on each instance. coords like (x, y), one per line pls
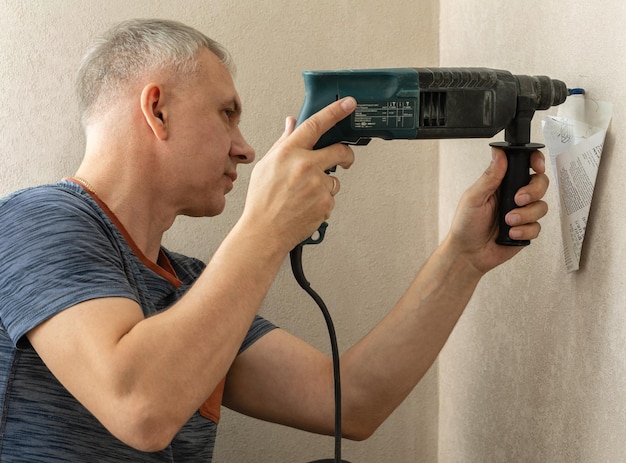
(205, 140)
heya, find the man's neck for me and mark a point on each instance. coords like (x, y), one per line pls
(133, 203)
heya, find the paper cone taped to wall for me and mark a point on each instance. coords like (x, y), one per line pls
(575, 138)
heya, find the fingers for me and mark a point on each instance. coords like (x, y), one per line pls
(310, 131)
(334, 189)
(538, 162)
(290, 125)
(534, 191)
(289, 188)
(524, 219)
(525, 232)
(527, 214)
(485, 187)
(539, 182)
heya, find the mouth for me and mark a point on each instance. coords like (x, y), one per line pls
(232, 176)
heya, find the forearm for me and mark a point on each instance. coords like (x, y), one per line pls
(144, 377)
(196, 340)
(382, 369)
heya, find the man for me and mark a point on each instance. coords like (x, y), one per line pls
(92, 366)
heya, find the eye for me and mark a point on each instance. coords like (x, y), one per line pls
(232, 116)
(229, 113)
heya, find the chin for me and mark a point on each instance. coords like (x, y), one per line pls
(205, 210)
(215, 209)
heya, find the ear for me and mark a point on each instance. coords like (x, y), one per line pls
(153, 109)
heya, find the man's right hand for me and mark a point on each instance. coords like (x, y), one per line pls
(290, 192)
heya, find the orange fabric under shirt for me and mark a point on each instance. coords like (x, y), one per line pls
(211, 409)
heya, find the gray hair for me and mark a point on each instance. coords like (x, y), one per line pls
(133, 47)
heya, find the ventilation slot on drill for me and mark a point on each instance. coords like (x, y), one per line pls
(433, 109)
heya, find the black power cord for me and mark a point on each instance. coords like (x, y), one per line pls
(296, 267)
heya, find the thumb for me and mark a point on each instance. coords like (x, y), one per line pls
(290, 125)
(490, 181)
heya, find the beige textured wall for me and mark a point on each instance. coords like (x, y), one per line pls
(385, 222)
(535, 371)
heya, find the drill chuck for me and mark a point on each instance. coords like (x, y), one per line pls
(550, 92)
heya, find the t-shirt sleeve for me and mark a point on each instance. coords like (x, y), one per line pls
(189, 269)
(260, 327)
(54, 253)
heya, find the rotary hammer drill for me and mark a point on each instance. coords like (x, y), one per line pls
(438, 103)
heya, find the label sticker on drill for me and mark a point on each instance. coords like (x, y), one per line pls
(395, 114)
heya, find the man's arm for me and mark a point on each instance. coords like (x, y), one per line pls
(284, 380)
(144, 378)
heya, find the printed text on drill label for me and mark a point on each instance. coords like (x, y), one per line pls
(390, 114)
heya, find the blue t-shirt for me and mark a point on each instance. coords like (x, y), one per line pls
(60, 246)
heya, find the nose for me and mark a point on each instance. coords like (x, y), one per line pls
(240, 150)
